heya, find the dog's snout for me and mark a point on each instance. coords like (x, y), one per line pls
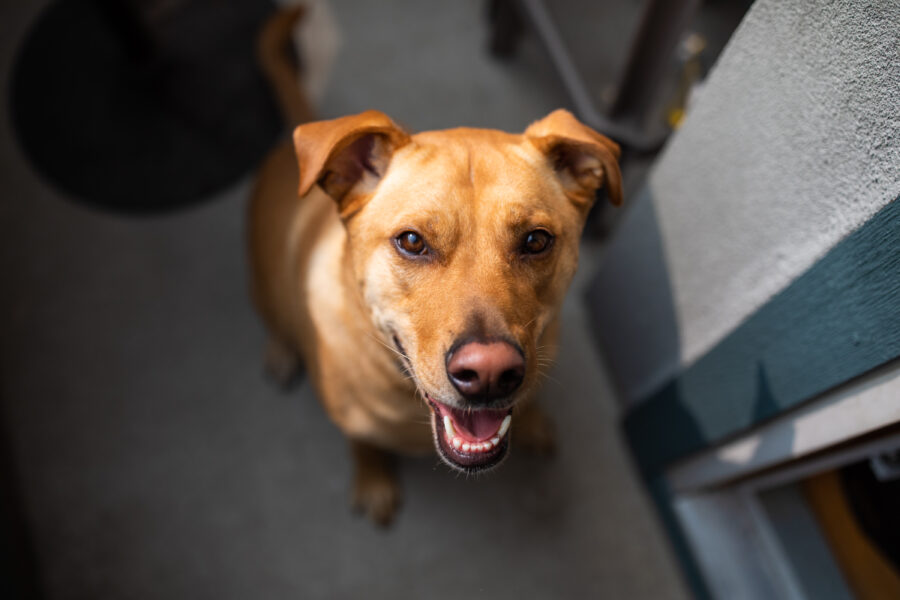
(485, 372)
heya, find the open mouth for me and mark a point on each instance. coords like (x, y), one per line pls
(471, 440)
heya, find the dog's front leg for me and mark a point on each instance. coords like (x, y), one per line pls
(376, 490)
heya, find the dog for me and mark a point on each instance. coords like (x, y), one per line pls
(418, 278)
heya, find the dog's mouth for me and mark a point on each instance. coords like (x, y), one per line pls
(470, 440)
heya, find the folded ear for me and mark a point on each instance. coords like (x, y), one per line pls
(583, 159)
(346, 157)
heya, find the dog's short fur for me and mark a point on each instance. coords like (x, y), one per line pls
(419, 279)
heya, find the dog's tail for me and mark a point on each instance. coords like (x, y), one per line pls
(274, 52)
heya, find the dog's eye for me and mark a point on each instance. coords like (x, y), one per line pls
(537, 242)
(410, 242)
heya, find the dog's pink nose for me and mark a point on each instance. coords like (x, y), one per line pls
(484, 372)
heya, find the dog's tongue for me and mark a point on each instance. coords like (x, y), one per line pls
(475, 425)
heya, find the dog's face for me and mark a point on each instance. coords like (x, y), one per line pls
(463, 243)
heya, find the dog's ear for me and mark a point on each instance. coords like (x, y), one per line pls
(347, 156)
(583, 159)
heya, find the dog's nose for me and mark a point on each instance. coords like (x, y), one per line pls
(484, 372)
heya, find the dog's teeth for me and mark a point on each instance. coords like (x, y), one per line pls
(473, 447)
(448, 427)
(504, 426)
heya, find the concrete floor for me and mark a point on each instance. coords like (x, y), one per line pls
(157, 462)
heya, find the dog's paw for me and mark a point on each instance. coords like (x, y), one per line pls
(282, 365)
(376, 491)
(535, 431)
(377, 495)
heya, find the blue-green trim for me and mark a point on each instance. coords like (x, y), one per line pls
(838, 320)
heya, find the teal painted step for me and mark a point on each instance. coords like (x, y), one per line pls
(835, 322)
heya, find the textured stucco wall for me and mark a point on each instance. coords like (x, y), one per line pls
(793, 143)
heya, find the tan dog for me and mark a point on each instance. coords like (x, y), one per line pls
(420, 277)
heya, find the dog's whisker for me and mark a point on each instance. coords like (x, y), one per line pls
(549, 355)
(545, 375)
(549, 378)
(388, 346)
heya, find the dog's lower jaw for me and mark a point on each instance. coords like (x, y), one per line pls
(466, 452)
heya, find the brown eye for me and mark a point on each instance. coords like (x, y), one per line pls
(411, 243)
(537, 242)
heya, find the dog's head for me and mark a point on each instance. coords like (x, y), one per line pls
(463, 243)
